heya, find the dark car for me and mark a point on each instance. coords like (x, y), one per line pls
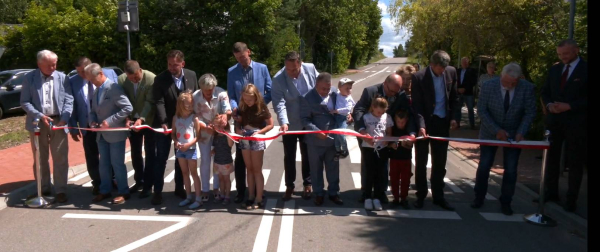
(10, 90)
(117, 70)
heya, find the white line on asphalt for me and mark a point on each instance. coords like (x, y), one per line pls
(453, 186)
(422, 214)
(353, 149)
(282, 185)
(381, 71)
(488, 196)
(502, 217)
(335, 211)
(233, 185)
(264, 230)
(272, 131)
(368, 68)
(172, 158)
(388, 71)
(287, 227)
(266, 173)
(356, 179)
(414, 160)
(78, 177)
(298, 154)
(170, 177)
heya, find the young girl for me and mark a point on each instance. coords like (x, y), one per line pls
(186, 128)
(377, 124)
(400, 159)
(223, 162)
(256, 119)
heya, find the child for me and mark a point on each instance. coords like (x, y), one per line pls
(378, 124)
(342, 107)
(223, 162)
(186, 128)
(400, 159)
(255, 119)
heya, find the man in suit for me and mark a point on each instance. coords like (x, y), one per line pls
(167, 87)
(109, 109)
(82, 90)
(289, 84)
(507, 107)
(392, 90)
(467, 79)
(435, 101)
(46, 96)
(137, 84)
(565, 96)
(315, 115)
(238, 76)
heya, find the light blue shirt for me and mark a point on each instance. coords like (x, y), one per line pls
(440, 95)
(178, 81)
(248, 74)
(301, 84)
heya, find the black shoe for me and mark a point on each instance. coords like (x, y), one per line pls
(570, 206)
(418, 204)
(239, 198)
(157, 199)
(144, 194)
(477, 204)
(336, 199)
(95, 190)
(181, 193)
(404, 204)
(506, 209)
(135, 188)
(444, 204)
(344, 154)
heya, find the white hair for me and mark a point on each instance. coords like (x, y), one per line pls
(513, 70)
(207, 81)
(46, 55)
(94, 69)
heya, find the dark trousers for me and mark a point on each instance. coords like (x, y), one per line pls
(144, 174)
(375, 173)
(240, 171)
(92, 157)
(363, 168)
(289, 160)
(575, 158)
(509, 179)
(163, 148)
(400, 177)
(439, 152)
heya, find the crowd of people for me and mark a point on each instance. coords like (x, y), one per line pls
(410, 102)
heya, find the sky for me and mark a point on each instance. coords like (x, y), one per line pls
(389, 39)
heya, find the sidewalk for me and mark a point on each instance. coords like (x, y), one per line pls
(529, 169)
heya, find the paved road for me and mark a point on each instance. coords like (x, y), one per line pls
(296, 225)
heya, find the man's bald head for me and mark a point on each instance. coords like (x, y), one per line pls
(392, 84)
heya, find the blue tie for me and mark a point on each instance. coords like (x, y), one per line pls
(506, 101)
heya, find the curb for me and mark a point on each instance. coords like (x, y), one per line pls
(550, 208)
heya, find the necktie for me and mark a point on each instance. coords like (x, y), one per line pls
(506, 101)
(90, 91)
(563, 79)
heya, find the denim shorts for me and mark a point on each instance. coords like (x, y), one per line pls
(189, 154)
(252, 145)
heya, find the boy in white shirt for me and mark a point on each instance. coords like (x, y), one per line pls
(342, 108)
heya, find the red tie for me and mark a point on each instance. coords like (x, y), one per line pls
(563, 79)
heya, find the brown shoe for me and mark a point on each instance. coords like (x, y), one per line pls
(61, 198)
(319, 200)
(120, 199)
(288, 194)
(307, 192)
(101, 197)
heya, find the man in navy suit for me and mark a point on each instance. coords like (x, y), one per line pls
(507, 108)
(565, 96)
(82, 90)
(238, 76)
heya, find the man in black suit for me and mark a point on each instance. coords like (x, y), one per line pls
(565, 97)
(466, 81)
(434, 101)
(167, 87)
(391, 90)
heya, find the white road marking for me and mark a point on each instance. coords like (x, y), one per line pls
(353, 149)
(422, 214)
(287, 227)
(282, 186)
(356, 179)
(78, 177)
(453, 186)
(502, 217)
(488, 196)
(264, 230)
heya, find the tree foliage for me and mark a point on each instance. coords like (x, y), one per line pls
(399, 51)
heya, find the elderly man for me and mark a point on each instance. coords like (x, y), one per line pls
(565, 96)
(82, 90)
(507, 108)
(210, 102)
(467, 79)
(137, 84)
(434, 100)
(238, 76)
(167, 87)
(109, 109)
(296, 79)
(46, 96)
(392, 90)
(316, 116)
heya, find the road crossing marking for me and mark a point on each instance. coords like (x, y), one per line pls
(488, 196)
(264, 230)
(287, 227)
(453, 186)
(353, 149)
(502, 217)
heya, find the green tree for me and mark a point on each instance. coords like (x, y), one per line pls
(399, 51)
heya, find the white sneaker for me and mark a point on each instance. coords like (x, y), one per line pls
(368, 204)
(377, 205)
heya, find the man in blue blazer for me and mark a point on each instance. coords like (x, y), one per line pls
(82, 90)
(507, 108)
(238, 76)
(46, 96)
(289, 84)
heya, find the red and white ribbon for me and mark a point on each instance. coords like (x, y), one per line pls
(160, 130)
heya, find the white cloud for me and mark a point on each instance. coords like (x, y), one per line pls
(383, 7)
(389, 39)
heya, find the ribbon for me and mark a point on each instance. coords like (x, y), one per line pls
(159, 130)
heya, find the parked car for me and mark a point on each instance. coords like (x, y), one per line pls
(117, 70)
(10, 90)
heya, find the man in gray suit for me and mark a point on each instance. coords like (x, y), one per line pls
(315, 115)
(293, 81)
(506, 107)
(110, 107)
(46, 96)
